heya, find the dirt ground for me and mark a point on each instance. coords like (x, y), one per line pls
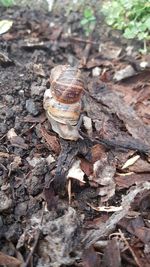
(99, 216)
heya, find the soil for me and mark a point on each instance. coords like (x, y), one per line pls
(44, 219)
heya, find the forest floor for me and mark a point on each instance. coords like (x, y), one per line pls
(101, 217)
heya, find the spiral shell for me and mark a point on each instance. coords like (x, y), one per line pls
(66, 84)
(62, 101)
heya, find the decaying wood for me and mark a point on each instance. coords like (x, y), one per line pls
(105, 229)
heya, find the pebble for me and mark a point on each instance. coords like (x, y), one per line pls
(127, 72)
(31, 107)
(21, 93)
(3, 127)
(9, 99)
(96, 71)
(10, 113)
(5, 202)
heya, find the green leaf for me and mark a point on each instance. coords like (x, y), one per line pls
(129, 34)
(88, 12)
(147, 23)
(142, 35)
(91, 19)
(6, 3)
(84, 21)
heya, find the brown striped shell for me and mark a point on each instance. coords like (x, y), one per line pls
(66, 84)
(62, 101)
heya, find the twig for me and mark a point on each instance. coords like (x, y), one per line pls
(69, 191)
(131, 250)
(35, 242)
(76, 39)
(86, 51)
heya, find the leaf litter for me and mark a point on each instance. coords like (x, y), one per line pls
(105, 219)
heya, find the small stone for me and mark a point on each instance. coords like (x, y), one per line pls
(10, 113)
(31, 107)
(9, 99)
(127, 72)
(21, 93)
(96, 71)
(5, 202)
(3, 127)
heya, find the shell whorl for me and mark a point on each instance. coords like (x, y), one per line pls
(66, 84)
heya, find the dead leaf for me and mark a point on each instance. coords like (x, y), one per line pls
(103, 174)
(86, 166)
(106, 209)
(136, 227)
(5, 25)
(9, 260)
(112, 255)
(130, 162)
(98, 151)
(125, 112)
(126, 180)
(104, 229)
(76, 172)
(38, 119)
(16, 140)
(140, 166)
(90, 258)
(51, 140)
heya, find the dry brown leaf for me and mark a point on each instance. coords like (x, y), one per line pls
(114, 104)
(51, 140)
(126, 180)
(9, 261)
(130, 162)
(38, 119)
(86, 166)
(97, 152)
(112, 255)
(90, 258)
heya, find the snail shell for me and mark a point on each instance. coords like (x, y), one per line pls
(62, 101)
